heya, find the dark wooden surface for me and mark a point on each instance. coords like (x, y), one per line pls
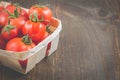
(89, 46)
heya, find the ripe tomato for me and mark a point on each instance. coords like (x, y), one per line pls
(35, 30)
(11, 9)
(3, 18)
(24, 14)
(20, 44)
(44, 37)
(18, 22)
(1, 8)
(42, 11)
(2, 42)
(9, 32)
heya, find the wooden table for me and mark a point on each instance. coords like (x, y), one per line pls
(89, 46)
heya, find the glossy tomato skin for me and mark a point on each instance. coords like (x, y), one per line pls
(18, 22)
(3, 18)
(1, 8)
(44, 37)
(10, 8)
(35, 30)
(12, 33)
(2, 42)
(17, 45)
(44, 12)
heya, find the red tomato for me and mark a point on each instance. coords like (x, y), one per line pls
(3, 18)
(19, 44)
(1, 8)
(9, 32)
(44, 37)
(11, 9)
(42, 11)
(35, 30)
(24, 14)
(18, 22)
(2, 42)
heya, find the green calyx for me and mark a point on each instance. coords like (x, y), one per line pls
(16, 12)
(34, 18)
(8, 28)
(27, 40)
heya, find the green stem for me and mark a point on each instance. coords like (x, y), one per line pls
(27, 40)
(16, 12)
(8, 28)
(34, 18)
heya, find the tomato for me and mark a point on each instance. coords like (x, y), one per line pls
(9, 32)
(24, 14)
(44, 37)
(2, 42)
(1, 8)
(42, 11)
(3, 18)
(17, 19)
(20, 44)
(19, 22)
(35, 30)
(11, 9)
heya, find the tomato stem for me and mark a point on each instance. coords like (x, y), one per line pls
(16, 12)
(34, 18)
(8, 28)
(26, 39)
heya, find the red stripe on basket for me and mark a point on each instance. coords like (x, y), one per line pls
(23, 63)
(48, 48)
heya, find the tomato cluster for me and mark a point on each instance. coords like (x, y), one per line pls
(21, 30)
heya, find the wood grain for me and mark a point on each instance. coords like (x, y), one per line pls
(89, 46)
